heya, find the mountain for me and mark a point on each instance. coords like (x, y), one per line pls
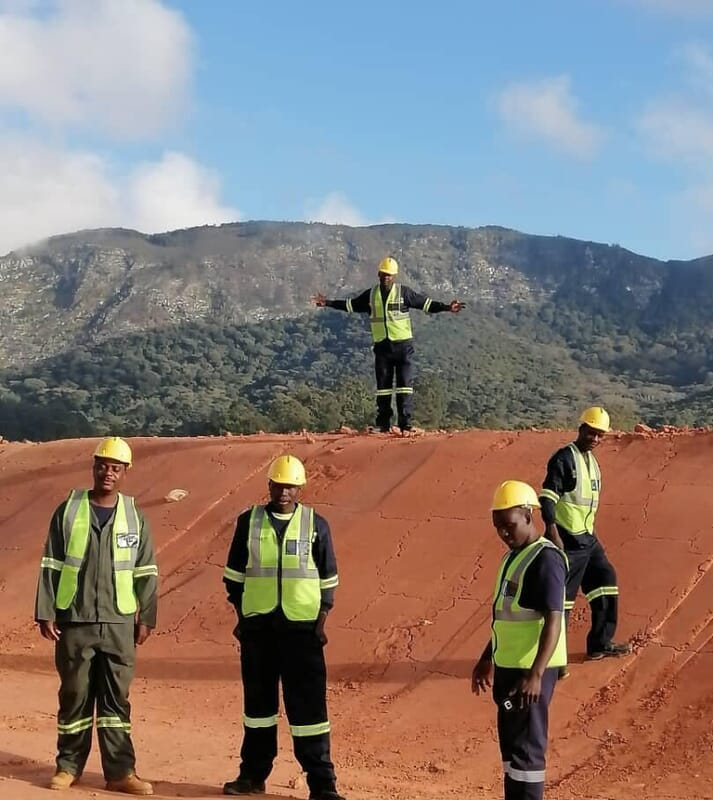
(212, 328)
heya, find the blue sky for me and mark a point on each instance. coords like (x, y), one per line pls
(586, 118)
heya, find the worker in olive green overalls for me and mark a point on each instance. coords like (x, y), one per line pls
(96, 600)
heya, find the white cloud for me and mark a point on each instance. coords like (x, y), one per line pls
(335, 209)
(546, 109)
(117, 67)
(176, 192)
(47, 190)
(676, 129)
(679, 127)
(44, 191)
(122, 67)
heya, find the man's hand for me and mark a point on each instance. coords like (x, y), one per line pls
(49, 630)
(482, 677)
(456, 306)
(141, 633)
(553, 535)
(319, 300)
(319, 628)
(528, 690)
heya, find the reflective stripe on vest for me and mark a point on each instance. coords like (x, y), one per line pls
(392, 322)
(516, 630)
(125, 537)
(575, 511)
(285, 576)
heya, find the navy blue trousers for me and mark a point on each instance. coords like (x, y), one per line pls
(522, 734)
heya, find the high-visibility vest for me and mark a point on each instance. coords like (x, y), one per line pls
(393, 321)
(283, 576)
(575, 511)
(516, 630)
(125, 538)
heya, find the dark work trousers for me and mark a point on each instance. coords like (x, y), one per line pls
(590, 568)
(95, 663)
(297, 658)
(522, 734)
(394, 358)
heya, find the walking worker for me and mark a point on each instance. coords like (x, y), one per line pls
(280, 577)
(388, 304)
(570, 498)
(96, 600)
(528, 641)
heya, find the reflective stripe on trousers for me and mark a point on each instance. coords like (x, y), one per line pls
(524, 775)
(602, 591)
(260, 722)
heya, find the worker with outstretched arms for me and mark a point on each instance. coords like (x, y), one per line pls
(388, 304)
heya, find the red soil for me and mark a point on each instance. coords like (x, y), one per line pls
(417, 558)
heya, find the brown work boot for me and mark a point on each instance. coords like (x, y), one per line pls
(62, 780)
(131, 784)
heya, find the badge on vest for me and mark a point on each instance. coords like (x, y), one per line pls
(509, 588)
(127, 540)
(297, 547)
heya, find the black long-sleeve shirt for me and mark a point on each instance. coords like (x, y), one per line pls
(322, 553)
(95, 600)
(361, 304)
(561, 478)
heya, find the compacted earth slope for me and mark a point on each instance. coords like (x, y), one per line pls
(417, 558)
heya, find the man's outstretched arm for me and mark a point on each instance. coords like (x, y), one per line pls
(421, 302)
(357, 305)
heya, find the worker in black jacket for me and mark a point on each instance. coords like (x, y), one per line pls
(388, 304)
(280, 577)
(569, 499)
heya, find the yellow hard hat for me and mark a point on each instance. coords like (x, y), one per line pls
(596, 417)
(115, 448)
(389, 266)
(511, 494)
(289, 470)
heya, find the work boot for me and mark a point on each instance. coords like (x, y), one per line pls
(409, 430)
(62, 780)
(326, 794)
(244, 786)
(130, 784)
(563, 673)
(610, 650)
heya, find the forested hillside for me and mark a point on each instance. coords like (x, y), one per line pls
(211, 330)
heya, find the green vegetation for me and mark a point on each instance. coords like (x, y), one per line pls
(115, 331)
(520, 366)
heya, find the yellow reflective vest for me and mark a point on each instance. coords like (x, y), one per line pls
(516, 630)
(575, 511)
(391, 321)
(282, 575)
(125, 535)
